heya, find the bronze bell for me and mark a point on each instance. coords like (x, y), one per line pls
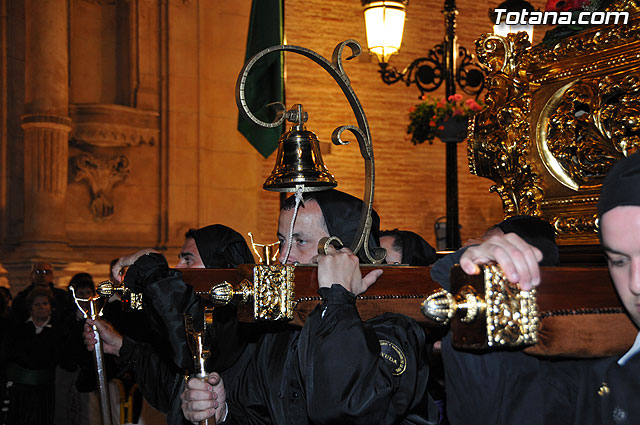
(299, 162)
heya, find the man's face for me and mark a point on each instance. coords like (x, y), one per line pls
(394, 256)
(40, 309)
(42, 274)
(190, 256)
(620, 229)
(85, 292)
(308, 229)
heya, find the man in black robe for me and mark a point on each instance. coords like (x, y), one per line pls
(406, 247)
(507, 388)
(337, 369)
(158, 364)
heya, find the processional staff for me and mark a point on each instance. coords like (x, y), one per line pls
(93, 311)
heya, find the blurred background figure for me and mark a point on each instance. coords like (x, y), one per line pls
(405, 247)
(5, 309)
(30, 352)
(75, 380)
(42, 276)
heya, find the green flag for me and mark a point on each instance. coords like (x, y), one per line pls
(264, 83)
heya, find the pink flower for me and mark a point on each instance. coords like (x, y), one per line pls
(455, 98)
(472, 104)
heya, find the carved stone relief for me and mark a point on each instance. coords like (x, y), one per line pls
(101, 174)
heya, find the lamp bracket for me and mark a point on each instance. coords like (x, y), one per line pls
(428, 73)
(361, 131)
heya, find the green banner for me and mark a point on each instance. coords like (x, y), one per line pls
(265, 82)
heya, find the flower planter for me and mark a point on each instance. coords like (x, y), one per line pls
(454, 130)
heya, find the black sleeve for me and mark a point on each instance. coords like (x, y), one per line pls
(158, 381)
(356, 372)
(169, 299)
(440, 271)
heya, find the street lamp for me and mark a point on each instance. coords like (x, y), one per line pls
(446, 63)
(384, 22)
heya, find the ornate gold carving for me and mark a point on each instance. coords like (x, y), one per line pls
(557, 119)
(587, 126)
(511, 313)
(590, 41)
(499, 141)
(575, 225)
(113, 125)
(273, 292)
(101, 174)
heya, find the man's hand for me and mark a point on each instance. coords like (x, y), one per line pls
(128, 261)
(518, 259)
(203, 399)
(111, 339)
(343, 267)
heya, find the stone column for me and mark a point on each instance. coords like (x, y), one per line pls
(46, 125)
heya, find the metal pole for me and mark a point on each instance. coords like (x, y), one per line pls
(450, 66)
(98, 357)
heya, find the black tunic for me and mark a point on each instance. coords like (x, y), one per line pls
(335, 370)
(511, 387)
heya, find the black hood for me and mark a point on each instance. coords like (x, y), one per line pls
(221, 247)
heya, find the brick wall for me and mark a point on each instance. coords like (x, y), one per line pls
(410, 180)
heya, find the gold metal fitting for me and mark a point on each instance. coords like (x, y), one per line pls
(272, 292)
(223, 293)
(440, 306)
(489, 305)
(107, 289)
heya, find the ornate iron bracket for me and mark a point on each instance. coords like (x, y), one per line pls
(428, 73)
(361, 132)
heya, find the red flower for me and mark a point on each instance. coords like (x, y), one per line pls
(579, 4)
(412, 109)
(441, 128)
(432, 123)
(565, 5)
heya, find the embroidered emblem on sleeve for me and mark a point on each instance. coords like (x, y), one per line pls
(394, 355)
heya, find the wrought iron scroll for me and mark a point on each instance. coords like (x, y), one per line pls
(361, 132)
